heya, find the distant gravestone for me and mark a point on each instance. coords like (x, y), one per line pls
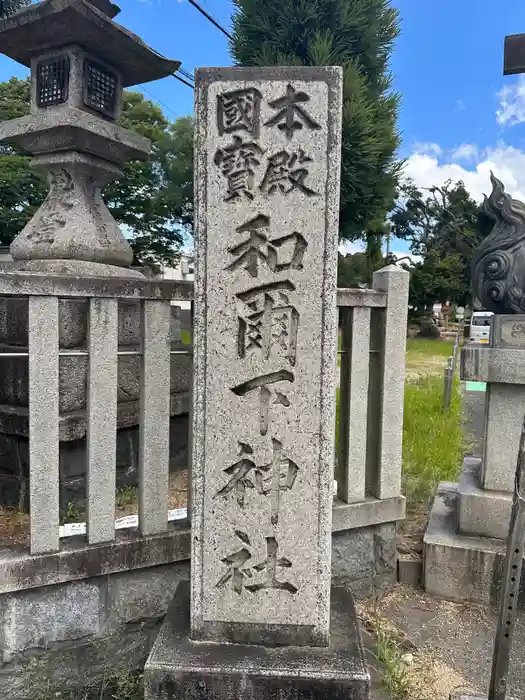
(267, 198)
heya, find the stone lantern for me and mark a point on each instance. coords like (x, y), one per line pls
(80, 61)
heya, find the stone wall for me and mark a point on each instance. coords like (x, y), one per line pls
(96, 616)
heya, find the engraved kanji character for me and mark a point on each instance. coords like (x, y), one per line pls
(267, 479)
(262, 383)
(239, 110)
(258, 249)
(237, 162)
(238, 572)
(283, 174)
(252, 251)
(289, 110)
(299, 248)
(240, 470)
(270, 565)
(271, 321)
(235, 562)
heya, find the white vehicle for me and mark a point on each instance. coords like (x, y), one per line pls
(480, 327)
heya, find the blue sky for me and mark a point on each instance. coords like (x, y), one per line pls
(460, 116)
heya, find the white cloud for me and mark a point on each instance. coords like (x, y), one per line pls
(401, 255)
(511, 108)
(348, 248)
(467, 163)
(506, 162)
(460, 106)
(467, 151)
(433, 149)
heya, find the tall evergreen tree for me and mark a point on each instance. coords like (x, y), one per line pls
(357, 35)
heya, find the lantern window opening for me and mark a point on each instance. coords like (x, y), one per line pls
(52, 81)
(100, 88)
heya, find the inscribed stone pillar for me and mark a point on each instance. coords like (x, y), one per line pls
(268, 158)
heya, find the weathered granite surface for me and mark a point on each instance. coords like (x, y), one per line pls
(267, 160)
(34, 29)
(77, 57)
(74, 222)
(481, 512)
(181, 669)
(59, 639)
(501, 366)
(131, 582)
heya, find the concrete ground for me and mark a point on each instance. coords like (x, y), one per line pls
(451, 644)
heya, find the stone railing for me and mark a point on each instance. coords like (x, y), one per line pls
(96, 585)
(102, 352)
(368, 450)
(373, 323)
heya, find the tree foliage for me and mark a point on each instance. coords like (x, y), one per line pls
(352, 270)
(443, 227)
(357, 35)
(153, 201)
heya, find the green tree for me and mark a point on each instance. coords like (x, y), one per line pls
(443, 227)
(153, 201)
(357, 35)
(352, 270)
(22, 190)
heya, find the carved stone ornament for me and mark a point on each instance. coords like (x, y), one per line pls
(73, 223)
(498, 267)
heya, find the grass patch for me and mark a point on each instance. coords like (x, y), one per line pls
(71, 514)
(126, 496)
(427, 356)
(389, 653)
(424, 347)
(124, 686)
(394, 674)
(433, 441)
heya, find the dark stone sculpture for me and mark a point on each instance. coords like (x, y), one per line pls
(498, 267)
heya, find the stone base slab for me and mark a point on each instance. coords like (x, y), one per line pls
(461, 567)
(73, 268)
(482, 513)
(186, 670)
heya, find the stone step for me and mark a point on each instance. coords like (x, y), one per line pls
(461, 567)
(178, 668)
(481, 512)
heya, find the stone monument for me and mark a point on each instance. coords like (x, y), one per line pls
(469, 523)
(80, 61)
(263, 621)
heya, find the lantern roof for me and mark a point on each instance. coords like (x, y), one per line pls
(53, 24)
